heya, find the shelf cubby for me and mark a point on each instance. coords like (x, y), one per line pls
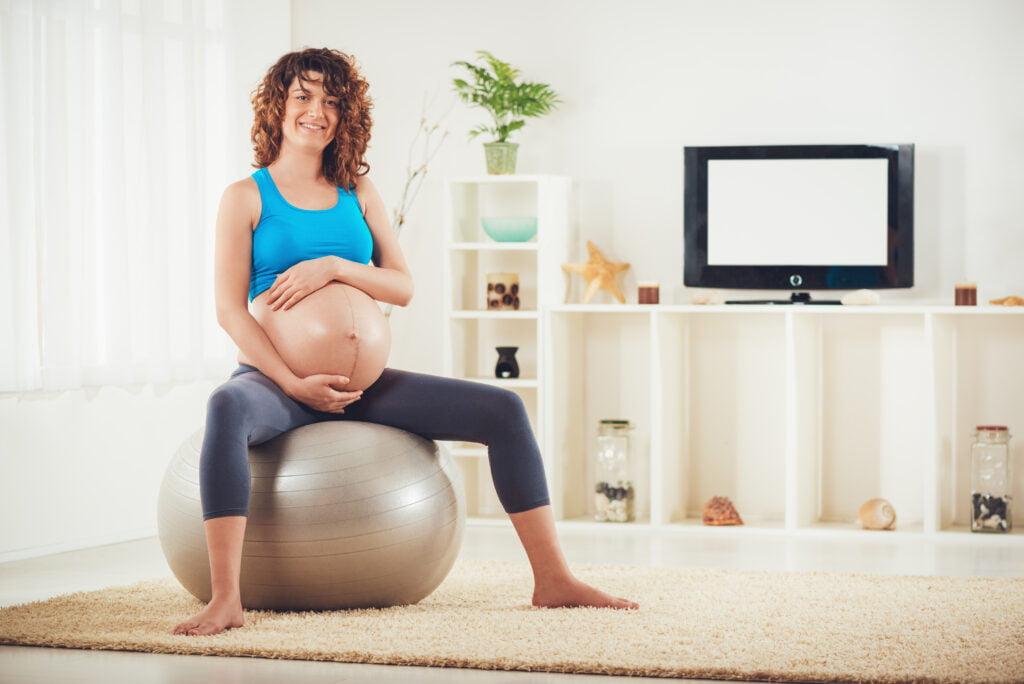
(873, 425)
(481, 499)
(469, 270)
(474, 342)
(980, 372)
(478, 197)
(601, 369)
(735, 443)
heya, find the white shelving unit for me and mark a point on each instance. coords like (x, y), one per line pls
(798, 414)
(471, 332)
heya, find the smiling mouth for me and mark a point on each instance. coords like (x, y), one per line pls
(312, 127)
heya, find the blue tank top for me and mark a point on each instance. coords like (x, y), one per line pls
(287, 235)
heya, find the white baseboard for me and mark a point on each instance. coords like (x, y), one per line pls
(77, 544)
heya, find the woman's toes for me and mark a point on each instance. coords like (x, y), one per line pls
(184, 627)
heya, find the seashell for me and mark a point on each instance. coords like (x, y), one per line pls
(1012, 300)
(720, 511)
(861, 298)
(877, 514)
(709, 297)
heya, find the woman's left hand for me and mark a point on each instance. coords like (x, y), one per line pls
(299, 281)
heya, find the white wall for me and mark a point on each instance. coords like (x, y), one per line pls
(83, 468)
(641, 81)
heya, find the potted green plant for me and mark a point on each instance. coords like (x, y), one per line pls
(494, 88)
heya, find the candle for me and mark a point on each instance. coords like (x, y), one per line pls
(648, 293)
(965, 294)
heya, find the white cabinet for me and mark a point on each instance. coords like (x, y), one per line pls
(798, 414)
(471, 331)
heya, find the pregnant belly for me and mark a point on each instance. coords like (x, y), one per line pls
(338, 329)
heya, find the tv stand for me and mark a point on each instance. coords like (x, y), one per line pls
(799, 414)
(794, 298)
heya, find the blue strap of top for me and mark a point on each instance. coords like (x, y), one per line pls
(287, 234)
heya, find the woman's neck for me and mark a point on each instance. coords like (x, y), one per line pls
(298, 167)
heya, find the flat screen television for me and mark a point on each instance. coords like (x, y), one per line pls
(799, 217)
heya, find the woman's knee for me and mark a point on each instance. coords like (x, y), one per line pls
(226, 403)
(505, 407)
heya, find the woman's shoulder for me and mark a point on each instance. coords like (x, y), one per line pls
(243, 188)
(365, 191)
(244, 191)
(243, 196)
(364, 184)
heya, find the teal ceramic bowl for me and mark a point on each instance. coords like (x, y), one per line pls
(510, 228)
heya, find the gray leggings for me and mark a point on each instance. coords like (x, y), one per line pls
(250, 409)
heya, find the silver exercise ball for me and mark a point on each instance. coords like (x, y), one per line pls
(343, 514)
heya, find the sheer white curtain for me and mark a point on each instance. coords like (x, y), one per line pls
(113, 149)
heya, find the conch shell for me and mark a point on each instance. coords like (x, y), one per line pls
(877, 514)
(720, 511)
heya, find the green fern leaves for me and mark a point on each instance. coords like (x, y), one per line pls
(494, 88)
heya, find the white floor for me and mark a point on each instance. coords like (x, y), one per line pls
(885, 553)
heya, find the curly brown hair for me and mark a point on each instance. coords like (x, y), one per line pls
(343, 158)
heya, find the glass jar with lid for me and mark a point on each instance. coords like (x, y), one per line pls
(614, 497)
(991, 499)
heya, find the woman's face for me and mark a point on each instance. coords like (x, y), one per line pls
(310, 115)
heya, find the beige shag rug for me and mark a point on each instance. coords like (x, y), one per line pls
(693, 622)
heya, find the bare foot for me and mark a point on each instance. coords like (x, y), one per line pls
(572, 593)
(216, 617)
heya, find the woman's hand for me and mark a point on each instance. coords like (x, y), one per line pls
(323, 392)
(301, 280)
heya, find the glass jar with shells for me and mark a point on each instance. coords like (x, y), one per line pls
(991, 499)
(614, 496)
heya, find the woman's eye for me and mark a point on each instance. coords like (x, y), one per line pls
(332, 103)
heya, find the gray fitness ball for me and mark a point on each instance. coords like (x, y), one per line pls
(343, 514)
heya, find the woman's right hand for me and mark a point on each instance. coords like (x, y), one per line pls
(323, 392)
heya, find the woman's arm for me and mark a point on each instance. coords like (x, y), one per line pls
(239, 211)
(389, 279)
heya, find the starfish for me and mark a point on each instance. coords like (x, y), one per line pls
(599, 272)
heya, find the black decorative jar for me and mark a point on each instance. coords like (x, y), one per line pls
(507, 366)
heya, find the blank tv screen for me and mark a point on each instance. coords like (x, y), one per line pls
(797, 212)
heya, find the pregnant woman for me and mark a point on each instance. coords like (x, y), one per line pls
(308, 240)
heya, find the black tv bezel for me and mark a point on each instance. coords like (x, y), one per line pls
(898, 272)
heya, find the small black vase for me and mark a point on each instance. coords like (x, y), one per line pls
(507, 366)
